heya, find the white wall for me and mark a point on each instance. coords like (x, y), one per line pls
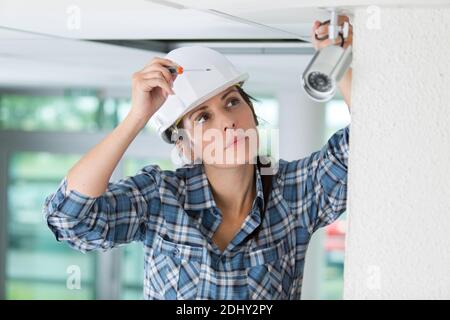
(399, 173)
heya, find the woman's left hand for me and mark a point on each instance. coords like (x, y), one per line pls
(322, 32)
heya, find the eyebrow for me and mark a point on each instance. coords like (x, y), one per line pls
(222, 98)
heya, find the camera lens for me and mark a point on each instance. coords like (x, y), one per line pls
(319, 81)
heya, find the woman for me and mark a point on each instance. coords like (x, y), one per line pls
(212, 229)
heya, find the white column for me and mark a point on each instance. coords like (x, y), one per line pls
(399, 172)
(301, 123)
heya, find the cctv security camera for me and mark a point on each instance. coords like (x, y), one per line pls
(325, 70)
(328, 64)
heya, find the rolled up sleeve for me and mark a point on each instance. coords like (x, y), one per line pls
(118, 216)
(317, 185)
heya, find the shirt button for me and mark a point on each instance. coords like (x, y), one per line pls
(176, 252)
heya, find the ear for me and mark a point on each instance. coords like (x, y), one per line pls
(184, 151)
(179, 145)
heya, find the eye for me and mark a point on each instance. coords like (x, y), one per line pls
(233, 102)
(202, 117)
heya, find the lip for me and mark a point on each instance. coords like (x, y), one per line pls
(234, 141)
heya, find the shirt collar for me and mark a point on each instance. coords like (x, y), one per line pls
(198, 191)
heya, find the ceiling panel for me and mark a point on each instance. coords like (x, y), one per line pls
(39, 49)
(30, 60)
(49, 53)
(33, 60)
(132, 19)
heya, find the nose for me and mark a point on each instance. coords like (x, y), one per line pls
(229, 125)
(228, 135)
(227, 121)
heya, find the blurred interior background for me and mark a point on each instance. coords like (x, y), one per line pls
(65, 74)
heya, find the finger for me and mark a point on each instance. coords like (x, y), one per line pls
(316, 24)
(151, 79)
(161, 61)
(164, 62)
(156, 74)
(149, 84)
(322, 30)
(161, 82)
(325, 43)
(348, 41)
(153, 74)
(342, 19)
(319, 33)
(163, 70)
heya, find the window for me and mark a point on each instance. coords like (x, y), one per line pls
(73, 111)
(49, 113)
(132, 272)
(37, 267)
(266, 109)
(133, 254)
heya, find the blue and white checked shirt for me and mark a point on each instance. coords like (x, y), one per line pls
(174, 214)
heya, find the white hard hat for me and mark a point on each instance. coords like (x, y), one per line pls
(193, 88)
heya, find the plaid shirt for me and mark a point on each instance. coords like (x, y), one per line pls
(174, 214)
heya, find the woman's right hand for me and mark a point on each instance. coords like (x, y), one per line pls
(321, 31)
(150, 88)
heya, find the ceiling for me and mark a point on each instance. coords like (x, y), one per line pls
(34, 61)
(146, 19)
(100, 43)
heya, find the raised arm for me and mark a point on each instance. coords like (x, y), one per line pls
(316, 186)
(150, 88)
(89, 212)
